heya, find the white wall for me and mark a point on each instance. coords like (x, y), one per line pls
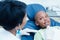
(52, 4)
(44, 2)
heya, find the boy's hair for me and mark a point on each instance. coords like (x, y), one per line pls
(11, 14)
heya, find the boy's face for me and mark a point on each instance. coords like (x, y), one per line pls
(42, 19)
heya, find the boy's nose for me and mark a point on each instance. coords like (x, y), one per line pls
(45, 19)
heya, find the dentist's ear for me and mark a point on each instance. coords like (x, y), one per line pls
(17, 27)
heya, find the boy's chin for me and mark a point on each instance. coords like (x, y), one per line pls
(43, 27)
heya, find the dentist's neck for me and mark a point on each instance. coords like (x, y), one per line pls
(13, 31)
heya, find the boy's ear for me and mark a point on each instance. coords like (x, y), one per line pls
(36, 23)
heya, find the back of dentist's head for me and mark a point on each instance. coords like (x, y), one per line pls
(12, 13)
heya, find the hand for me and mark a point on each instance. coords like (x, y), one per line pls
(27, 30)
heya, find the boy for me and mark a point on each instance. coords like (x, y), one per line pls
(36, 21)
(43, 21)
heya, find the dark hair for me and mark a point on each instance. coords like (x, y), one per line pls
(11, 14)
(9, 0)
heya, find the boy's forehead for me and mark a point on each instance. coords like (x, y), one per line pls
(41, 13)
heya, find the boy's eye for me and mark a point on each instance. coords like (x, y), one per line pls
(40, 18)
